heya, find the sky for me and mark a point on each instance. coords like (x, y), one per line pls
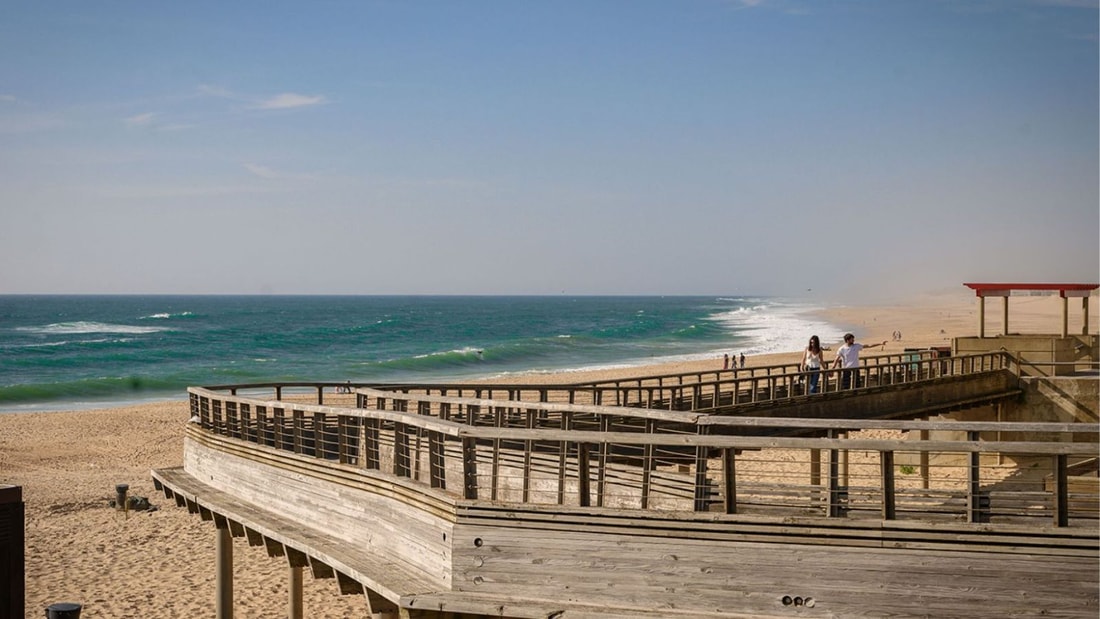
(863, 148)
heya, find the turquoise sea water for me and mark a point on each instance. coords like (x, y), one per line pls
(61, 352)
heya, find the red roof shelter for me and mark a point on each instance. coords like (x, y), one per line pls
(1065, 291)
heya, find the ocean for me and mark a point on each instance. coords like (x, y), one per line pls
(77, 352)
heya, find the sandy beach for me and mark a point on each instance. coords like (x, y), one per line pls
(160, 563)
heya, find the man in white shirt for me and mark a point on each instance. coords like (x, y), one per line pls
(847, 357)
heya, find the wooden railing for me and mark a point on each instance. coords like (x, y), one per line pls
(678, 391)
(589, 456)
(716, 392)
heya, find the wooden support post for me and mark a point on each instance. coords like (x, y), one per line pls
(529, 448)
(729, 479)
(886, 459)
(494, 472)
(815, 467)
(401, 459)
(469, 467)
(372, 458)
(1005, 319)
(437, 465)
(701, 474)
(601, 460)
(844, 466)
(974, 486)
(223, 570)
(584, 480)
(1061, 492)
(297, 430)
(294, 593)
(925, 469)
(833, 506)
(563, 456)
(647, 463)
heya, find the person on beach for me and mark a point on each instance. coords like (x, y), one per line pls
(812, 362)
(847, 357)
(742, 359)
(725, 361)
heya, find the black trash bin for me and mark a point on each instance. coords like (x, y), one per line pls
(63, 610)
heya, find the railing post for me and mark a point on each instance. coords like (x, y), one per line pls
(469, 467)
(584, 481)
(647, 465)
(401, 459)
(298, 429)
(888, 498)
(1061, 492)
(701, 473)
(975, 512)
(528, 449)
(601, 462)
(278, 418)
(372, 457)
(833, 507)
(437, 471)
(563, 456)
(925, 468)
(729, 479)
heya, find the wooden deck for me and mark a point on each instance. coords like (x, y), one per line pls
(432, 503)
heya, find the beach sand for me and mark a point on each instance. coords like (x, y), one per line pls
(160, 563)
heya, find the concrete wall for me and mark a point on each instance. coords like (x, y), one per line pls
(1058, 399)
(1037, 349)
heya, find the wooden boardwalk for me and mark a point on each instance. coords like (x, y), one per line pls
(687, 495)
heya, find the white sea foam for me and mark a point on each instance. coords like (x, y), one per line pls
(166, 315)
(72, 328)
(776, 327)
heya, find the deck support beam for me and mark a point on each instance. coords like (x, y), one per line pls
(294, 596)
(223, 566)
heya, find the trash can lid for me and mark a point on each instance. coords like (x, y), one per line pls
(64, 606)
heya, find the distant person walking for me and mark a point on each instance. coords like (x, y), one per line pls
(742, 359)
(847, 357)
(812, 362)
(726, 361)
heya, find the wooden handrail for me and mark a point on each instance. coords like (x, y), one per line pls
(369, 438)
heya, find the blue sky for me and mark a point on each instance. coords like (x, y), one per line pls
(865, 148)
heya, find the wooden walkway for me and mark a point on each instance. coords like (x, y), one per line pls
(690, 495)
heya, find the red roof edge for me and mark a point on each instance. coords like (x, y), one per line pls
(997, 286)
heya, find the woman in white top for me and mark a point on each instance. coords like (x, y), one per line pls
(812, 362)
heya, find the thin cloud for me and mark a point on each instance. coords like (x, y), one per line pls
(140, 120)
(291, 100)
(8, 98)
(282, 101)
(217, 91)
(268, 173)
(260, 170)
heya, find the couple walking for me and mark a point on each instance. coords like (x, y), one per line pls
(847, 357)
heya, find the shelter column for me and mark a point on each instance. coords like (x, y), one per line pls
(1065, 316)
(1005, 321)
(1085, 313)
(981, 315)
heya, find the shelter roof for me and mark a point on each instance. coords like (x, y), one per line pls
(999, 289)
